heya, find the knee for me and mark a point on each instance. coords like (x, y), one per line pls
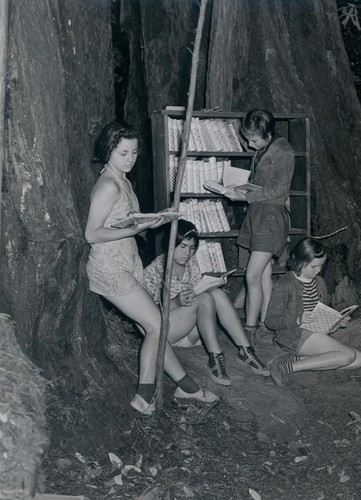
(206, 300)
(253, 277)
(347, 357)
(152, 329)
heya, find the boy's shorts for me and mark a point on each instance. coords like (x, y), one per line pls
(265, 228)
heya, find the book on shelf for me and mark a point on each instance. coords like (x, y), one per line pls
(209, 283)
(323, 319)
(207, 134)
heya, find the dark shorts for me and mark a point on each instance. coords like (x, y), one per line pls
(265, 229)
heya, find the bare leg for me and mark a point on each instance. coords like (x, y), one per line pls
(140, 307)
(228, 317)
(256, 266)
(325, 353)
(267, 285)
(203, 314)
(319, 352)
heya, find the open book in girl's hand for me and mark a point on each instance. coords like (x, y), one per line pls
(139, 218)
(326, 320)
(232, 177)
(209, 283)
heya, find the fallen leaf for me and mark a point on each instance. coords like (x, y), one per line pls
(254, 494)
(118, 480)
(153, 471)
(80, 458)
(115, 460)
(188, 492)
(300, 459)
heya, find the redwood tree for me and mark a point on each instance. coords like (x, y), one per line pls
(284, 55)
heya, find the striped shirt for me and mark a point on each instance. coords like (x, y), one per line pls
(310, 295)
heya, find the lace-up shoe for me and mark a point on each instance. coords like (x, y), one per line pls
(217, 367)
(141, 405)
(203, 395)
(247, 356)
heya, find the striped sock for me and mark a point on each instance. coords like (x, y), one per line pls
(286, 365)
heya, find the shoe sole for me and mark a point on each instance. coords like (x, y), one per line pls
(218, 380)
(275, 379)
(254, 370)
(184, 402)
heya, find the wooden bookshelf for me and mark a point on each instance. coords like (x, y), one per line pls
(295, 128)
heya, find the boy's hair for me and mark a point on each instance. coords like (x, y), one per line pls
(304, 252)
(258, 122)
(185, 230)
(110, 137)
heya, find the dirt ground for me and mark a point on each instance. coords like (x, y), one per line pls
(260, 442)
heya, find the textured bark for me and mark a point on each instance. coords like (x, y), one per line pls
(291, 58)
(60, 92)
(287, 56)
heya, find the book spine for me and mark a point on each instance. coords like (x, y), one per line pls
(202, 176)
(222, 215)
(172, 172)
(220, 258)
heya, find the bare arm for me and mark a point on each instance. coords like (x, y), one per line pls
(104, 195)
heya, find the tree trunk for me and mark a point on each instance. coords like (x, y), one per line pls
(289, 57)
(59, 95)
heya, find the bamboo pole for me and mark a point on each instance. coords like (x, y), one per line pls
(173, 233)
(4, 9)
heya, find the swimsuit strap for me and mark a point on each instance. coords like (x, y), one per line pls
(113, 174)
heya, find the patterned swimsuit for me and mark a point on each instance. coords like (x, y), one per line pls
(114, 267)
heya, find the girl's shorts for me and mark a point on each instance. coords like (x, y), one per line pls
(265, 229)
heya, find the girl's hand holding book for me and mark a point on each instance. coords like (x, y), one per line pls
(235, 194)
(186, 298)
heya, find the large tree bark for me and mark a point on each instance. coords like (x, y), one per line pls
(287, 56)
(60, 93)
(291, 58)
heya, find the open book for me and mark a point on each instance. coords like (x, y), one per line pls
(139, 218)
(209, 283)
(324, 319)
(232, 177)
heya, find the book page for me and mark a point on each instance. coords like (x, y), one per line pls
(325, 320)
(233, 176)
(208, 283)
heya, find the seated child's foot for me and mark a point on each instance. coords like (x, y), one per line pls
(248, 356)
(280, 368)
(217, 367)
(202, 395)
(141, 405)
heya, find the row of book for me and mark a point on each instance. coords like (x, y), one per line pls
(210, 257)
(207, 215)
(216, 134)
(196, 173)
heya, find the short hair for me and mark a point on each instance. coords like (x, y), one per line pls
(109, 138)
(185, 230)
(258, 122)
(304, 252)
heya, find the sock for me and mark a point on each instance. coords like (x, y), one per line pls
(286, 365)
(146, 391)
(187, 384)
(294, 359)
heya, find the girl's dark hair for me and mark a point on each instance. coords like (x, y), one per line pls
(258, 122)
(110, 137)
(304, 252)
(185, 230)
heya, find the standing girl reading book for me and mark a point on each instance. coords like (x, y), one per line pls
(114, 267)
(293, 298)
(266, 225)
(188, 310)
